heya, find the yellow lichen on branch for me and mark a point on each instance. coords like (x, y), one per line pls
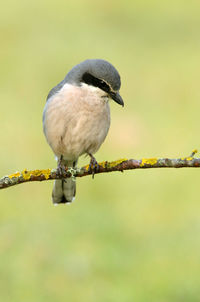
(117, 165)
(16, 174)
(106, 164)
(187, 158)
(36, 173)
(112, 164)
(148, 161)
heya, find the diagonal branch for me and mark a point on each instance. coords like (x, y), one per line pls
(118, 165)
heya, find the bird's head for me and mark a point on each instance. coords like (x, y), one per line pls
(97, 73)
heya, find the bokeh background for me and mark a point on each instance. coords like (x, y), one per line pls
(128, 237)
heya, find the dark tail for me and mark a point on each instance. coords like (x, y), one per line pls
(64, 190)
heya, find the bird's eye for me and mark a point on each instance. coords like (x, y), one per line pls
(91, 80)
(103, 84)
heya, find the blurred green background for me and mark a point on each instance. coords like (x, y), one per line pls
(128, 237)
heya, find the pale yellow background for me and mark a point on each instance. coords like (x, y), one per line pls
(128, 237)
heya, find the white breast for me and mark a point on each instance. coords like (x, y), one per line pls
(76, 120)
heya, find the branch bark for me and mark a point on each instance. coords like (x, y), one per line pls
(118, 165)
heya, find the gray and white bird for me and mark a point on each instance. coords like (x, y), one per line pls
(76, 117)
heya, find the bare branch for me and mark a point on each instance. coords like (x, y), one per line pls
(118, 165)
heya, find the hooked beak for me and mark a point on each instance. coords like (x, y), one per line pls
(117, 98)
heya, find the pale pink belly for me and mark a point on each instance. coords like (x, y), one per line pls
(72, 131)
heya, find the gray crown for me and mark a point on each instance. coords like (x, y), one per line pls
(98, 68)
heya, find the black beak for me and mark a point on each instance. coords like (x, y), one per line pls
(117, 98)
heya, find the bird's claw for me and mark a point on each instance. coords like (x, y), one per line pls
(93, 166)
(61, 169)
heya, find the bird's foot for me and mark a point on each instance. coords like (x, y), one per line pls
(93, 166)
(61, 169)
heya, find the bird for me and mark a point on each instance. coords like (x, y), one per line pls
(76, 118)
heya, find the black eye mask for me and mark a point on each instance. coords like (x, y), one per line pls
(87, 78)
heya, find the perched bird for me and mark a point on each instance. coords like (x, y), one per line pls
(76, 118)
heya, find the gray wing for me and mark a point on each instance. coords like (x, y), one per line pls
(55, 89)
(52, 92)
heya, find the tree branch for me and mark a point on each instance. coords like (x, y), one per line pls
(118, 165)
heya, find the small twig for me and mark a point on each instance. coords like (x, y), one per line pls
(193, 152)
(118, 165)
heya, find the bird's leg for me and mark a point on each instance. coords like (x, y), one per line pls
(93, 166)
(61, 167)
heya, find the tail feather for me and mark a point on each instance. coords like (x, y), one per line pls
(64, 190)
